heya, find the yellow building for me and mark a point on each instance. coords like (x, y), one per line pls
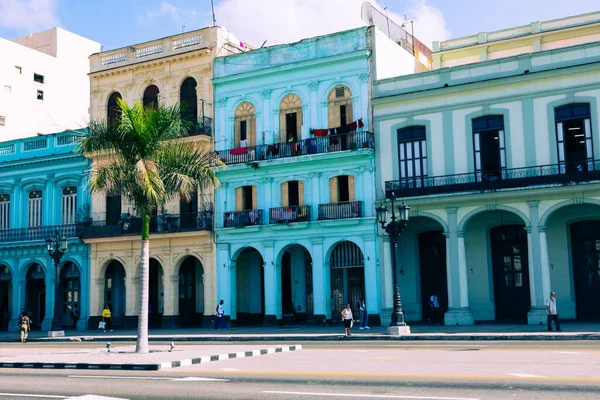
(176, 69)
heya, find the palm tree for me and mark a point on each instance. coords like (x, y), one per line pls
(137, 157)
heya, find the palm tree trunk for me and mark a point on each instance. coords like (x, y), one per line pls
(142, 333)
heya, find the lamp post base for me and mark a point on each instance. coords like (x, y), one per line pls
(398, 330)
(56, 333)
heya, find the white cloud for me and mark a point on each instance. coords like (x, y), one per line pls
(280, 21)
(28, 15)
(179, 16)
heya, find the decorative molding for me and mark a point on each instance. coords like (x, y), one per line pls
(222, 101)
(364, 77)
(578, 200)
(267, 180)
(266, 93)
(315, 174)
(492, 206)
(313, 85)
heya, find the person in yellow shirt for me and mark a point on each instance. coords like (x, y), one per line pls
(106, 317)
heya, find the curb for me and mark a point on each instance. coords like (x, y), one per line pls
(151, 366)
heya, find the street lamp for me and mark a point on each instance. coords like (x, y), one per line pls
(394, 228)
(57, 247)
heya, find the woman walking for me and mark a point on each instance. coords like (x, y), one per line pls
(347, 317)
(24, 327)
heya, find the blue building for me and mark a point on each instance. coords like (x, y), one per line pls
(42, 192)
(296, 228)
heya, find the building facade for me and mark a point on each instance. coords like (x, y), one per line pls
(42, 193)
(176, 69)
(296, 232)
(44, 84)
(496, 153)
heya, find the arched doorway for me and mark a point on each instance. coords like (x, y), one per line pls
(113, 111)
(347, 277)
(5, 296)
(290, 119)
(35, 295)
(156, 294)
(191, 292)
(585, 242)
(250, 280)
(434, 279)
(114, 291)
(70, 287)
(150, 99)
(296, 285)
(189, 102)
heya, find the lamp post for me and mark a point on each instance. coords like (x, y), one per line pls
(394, 228)
(57, 247)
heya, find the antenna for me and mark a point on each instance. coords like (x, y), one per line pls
(212, 6)
(263, 45)
(182, 28)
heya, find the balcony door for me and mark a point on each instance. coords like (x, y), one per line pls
(412, 156)
(4, 211)
(188, 211)
(489, 148)
(291, 127)
(35, 208)
(574, 138)
(113, 209)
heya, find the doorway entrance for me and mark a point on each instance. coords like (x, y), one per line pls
(250, 283)
(585, 242)
(347, 278)
(511, 272)
(434, 280)
(35, 295)
(296, 285)
(191, 292)
(114, 292)
(5, 296)
(156, 294)
(70, 287)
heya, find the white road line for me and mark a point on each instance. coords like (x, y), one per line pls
(152, 378)
(230, 369)
(39, 396)
(528, 375)
(370, 396)
(568, 352)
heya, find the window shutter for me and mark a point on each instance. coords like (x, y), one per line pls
(282, 127)
(285, 197)
(351, 188)
(254, 198)
(301, 193)
(236, 133)
(333, 190)
(239, 199)
(251, 125)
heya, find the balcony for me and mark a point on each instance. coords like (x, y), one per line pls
(342, 210)
(202, 127)
(284, 215)
(159, 224)
(240, 219)
(553, 174)
(37, 233)
(315, 145)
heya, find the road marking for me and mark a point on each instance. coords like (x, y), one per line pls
(94, 397)
(152, 378)
(199, 379)
(527, 375)
(568, 352)
(229, 369)
(39, 396)
(371, 396)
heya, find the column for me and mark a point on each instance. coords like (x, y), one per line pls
(364, 100)
(316, 198)
(18, 298)
(539, 274)
(459, 312)
(387, 277)
(313, 86)
(50, 297)
(223, 276)
(545, 266)
(318, 276)
(231, 294)
(372, 287)
(266, 95)
(222, 140)
(48, 217)
(271, 286)
(266, 198)
(16, 207)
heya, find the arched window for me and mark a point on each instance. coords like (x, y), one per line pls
(35, 208)
(574, 137)
(4, 211)
(245, 125)
(151, 97)
(339, 107)
(189, 102)
(113, 112)
(290, 118)
(69, 204)
(412, 155)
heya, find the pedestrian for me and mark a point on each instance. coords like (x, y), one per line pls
(107, 318)
(347, 318)
(75, 315)
(220, 316)
(24, 327)
(434, 308)
(552, 313)
(363, 315)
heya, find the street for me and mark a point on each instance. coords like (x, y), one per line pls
(329, 370)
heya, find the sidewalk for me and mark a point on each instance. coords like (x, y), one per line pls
(491, 331)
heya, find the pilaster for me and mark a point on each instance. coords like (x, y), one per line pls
(318, 276)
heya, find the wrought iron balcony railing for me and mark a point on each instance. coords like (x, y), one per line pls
(162, 223)
(203, 127)
(239, 219)
(342, 210)
(283, 215)
(553, 174)
(315, 145)
(37, 233)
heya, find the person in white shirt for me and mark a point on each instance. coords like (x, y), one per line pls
(552, 312)
(220, 316)
(347, 317)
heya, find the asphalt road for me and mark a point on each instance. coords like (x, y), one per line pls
(350, 370)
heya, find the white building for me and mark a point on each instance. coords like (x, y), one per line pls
(44, 83)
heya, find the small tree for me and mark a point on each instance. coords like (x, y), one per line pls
(140, 158)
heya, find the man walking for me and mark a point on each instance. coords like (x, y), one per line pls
(552, 313)
(220, 316)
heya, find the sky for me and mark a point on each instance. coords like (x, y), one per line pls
(119, 23)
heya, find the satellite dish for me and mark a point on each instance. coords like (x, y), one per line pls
(366, 13)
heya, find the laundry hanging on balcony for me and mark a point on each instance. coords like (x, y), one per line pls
(340, 130)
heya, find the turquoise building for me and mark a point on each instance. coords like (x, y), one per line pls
(296, 231)
(41, 192)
